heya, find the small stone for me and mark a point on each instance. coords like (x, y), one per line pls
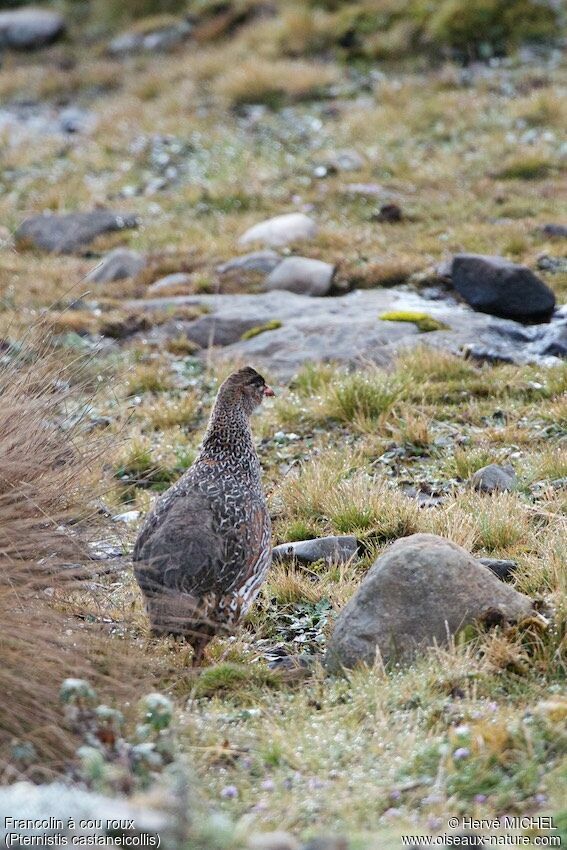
(159, 39)
(281, 230)
(334, 549)
(555, 231)
(273, 841)
(389, 213)
(302, 275)
(493, 478)
(30, 28)
(127, 516)
(347, 160)
(258, 261)
(64, 234)
(117, 265)
(502, 569)
(170, 283)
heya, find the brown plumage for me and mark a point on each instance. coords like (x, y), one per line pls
(204, 550)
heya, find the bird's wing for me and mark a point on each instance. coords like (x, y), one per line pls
(179, 546)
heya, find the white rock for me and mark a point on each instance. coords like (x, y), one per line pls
(281, 230)
(302, 275)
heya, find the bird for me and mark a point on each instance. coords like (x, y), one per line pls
(204, 549)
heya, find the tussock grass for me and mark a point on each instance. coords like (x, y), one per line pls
(47, 475)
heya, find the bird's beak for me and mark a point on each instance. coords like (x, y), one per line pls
(268, 391)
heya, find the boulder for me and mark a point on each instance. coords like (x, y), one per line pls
(262, 262)
(302, 275)
(213, 330)
(493, 478)
(117, 265)
(281, 230)
(334, 549)
(496, 286)
(64, 234)
(158, 39)
(419, 593)
(30, 28)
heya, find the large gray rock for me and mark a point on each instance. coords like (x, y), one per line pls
(494, 478)
(158, 39)
(334, 549)
(419, 593)
(64, 234)
(262, 262)
(281, 230)
(117, 265)
(345, 330)
(211, 330)
(30, 28)
(302, 275)
(497, 286)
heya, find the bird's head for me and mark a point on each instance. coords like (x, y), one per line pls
(247, 387)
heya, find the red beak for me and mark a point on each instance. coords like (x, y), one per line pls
(268, 391)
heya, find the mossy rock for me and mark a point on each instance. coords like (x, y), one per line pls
(423, 321)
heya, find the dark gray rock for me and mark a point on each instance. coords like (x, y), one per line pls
(30, 28)
(64, 234)
(161, 39)
(555, 231)
(493, 478)
(302, 275)
(281, 230)
(334, 549)
(262, 262)
(496, 286)
(117, 265)
(419, 593)
(212, 330)
(502, 569)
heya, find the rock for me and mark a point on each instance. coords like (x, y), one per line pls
(344, 330)
(170, 282)
(157, 39)
(281, 230)
(555, 230)
(502, 569)
(258, 261)
(30, 28)
(273, 841)
(370, 189)
(212, 330)
(554, 341)
(419, 593)
(64, 234)
(389, 213)
(42, 806)
(496, 286)
(346, 160)
(117, 265)
(337, 550)
(302, 275)
(493, 478)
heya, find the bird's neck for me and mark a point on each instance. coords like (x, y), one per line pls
(228, 439)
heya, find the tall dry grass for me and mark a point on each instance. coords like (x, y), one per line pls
(46, 471)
